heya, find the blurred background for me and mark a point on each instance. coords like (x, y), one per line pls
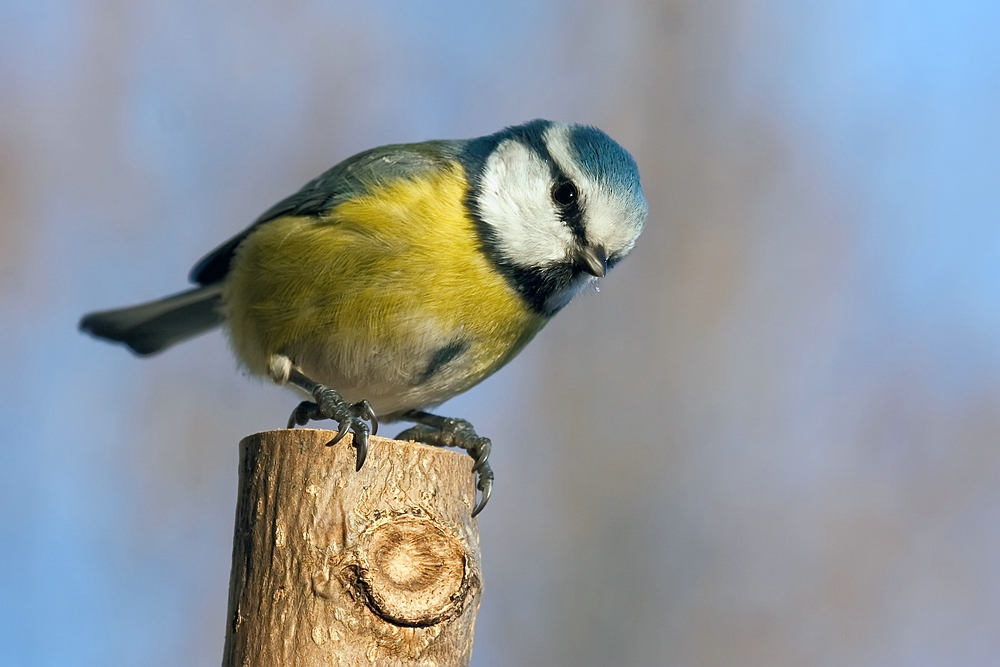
(772, 438)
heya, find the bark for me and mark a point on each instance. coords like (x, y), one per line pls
(337, 567)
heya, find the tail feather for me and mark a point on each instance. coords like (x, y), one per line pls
(151, 327)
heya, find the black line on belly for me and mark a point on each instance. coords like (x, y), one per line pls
(442, 357)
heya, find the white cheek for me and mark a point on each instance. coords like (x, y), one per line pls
(515, 201)
(607, 219)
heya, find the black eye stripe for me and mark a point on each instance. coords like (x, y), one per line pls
(570, 214)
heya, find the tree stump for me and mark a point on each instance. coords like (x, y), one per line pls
(337, 567)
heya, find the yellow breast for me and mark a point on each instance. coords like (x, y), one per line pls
(389, 297)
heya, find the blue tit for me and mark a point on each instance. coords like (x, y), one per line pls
(407, 274)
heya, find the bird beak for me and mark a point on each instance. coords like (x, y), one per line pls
(594, 261)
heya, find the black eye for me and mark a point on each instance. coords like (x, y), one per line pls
(565, 193)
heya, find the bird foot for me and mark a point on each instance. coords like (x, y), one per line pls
(350, 417)
(449, 432)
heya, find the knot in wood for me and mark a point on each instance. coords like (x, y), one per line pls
(413, 572)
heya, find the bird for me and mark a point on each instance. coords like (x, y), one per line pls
(407, 274)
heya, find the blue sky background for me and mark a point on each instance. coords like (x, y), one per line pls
(772, 438)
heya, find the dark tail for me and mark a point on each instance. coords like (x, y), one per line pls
(154, 326)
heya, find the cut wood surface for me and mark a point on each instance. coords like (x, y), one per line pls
(337, 567)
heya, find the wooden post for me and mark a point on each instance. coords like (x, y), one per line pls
(337, 567)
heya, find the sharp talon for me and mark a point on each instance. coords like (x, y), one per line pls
(361, 445)
(484, 453)
(364, 410)
(300, 415)
(487, 489)
(340, 436)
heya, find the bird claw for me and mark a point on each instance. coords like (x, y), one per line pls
(363, 410)
(446, 432)
(351, 418)
(360, 443)
(484, 445)
(337, 438)
(485, 486)
(301, 414)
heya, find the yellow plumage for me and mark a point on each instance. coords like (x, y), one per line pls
(363, 297)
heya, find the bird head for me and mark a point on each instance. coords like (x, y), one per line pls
(557, 205)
